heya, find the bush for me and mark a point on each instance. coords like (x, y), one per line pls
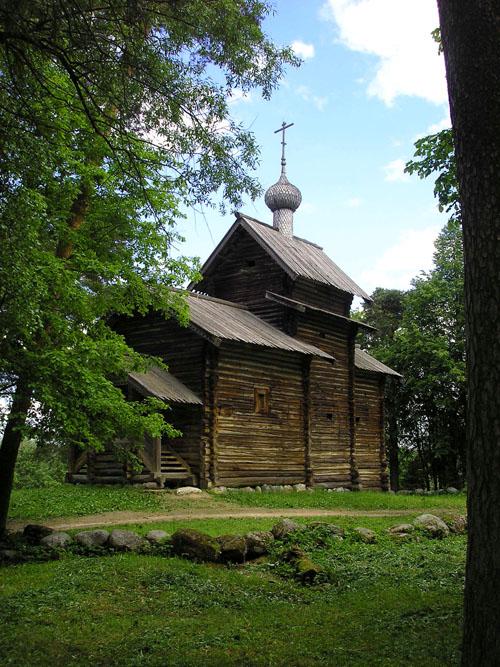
(39, 467)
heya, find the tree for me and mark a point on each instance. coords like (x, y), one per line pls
(470, 37)
(112, 114)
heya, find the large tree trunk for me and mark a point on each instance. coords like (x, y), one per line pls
(471, 39)
(9, 448)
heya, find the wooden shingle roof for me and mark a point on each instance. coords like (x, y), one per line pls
(161, 384)
(224, 320)
(298, 257)
(366, 362)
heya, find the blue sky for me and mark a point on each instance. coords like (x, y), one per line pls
(370, 84)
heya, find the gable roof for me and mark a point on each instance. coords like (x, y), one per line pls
(366, 362)
(223, 320)
(162, 384)
(298, 257)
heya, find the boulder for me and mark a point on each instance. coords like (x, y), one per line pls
(305, 569)
(287, 487)
(92, 538)
(401, 528)
(458, 525)
(56, 540)
(452, 490)
(156, 536)
(284, 527)
(195, 545)
(9, 556)
(34, 532)
(125, 540)
(365, 535)
(187, 490)
(299, 487)
(258, 489)
(218, 490)
(247, 489)
(431, 525)
(258, 543)
(153, 486)
(233, 548)
(329, 528)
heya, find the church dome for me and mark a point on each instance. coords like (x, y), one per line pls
(283, 195)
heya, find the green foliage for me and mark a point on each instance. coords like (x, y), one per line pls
(39, 467)
(113, 116)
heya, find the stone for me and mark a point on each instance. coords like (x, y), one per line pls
(187, 490)
(266, 488)
(92, 538)
(419, 492)
(258, 489)
(284, 527)
(34, 532)
(56, 540)
(305, 569)
(233, 548)
(218, 490)
(258, 543)
(125, 540)
(329, 528)
(156, 536)
(452, 490)
(151, 485)
(300, 487)
(287, 487)
(405, 492)
(431, 525)
(248, 489)
(401, 528)
(366, 535)
(195, 545)
(458, 525)
(9, 555)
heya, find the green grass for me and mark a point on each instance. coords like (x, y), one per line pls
(362, 501)
(385, 604)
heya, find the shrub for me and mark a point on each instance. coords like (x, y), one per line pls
(39, 467)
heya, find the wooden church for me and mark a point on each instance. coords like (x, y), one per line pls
(266, 383)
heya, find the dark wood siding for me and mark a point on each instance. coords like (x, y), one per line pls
(243, 274)
(322, 296)
(330, 408)
(370, 456)
(255, 448)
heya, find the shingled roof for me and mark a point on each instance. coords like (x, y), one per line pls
(298, 257)
(366, 362)
(162, 384)
(223, 320)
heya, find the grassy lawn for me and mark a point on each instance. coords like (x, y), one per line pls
(67, 500)
(384, 604)
(363, 500)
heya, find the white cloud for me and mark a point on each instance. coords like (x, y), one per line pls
(397, 32)
(237, 96)
(319, 102)
(404, 260)
(444, 124)
(354, 202)
(395, 171)
(303, 50)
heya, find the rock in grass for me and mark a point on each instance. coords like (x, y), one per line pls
(328, 528)
(258, 543)
(34, 532)
(56, 540)
(156, 536)
(365, 535)
(458, 525)
(9, 556)
(299, 487)
(195, 545)
(452, 490)
(125, 540)
(233, 548)
(187, 490)
(306, 570)
(92, 538)
(431, 525)
(401, 528)
(284, 527)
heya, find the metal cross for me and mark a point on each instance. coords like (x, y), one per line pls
(283, 127)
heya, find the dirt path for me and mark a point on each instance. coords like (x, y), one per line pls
(124, 518)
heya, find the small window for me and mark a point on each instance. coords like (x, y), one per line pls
(261, 396)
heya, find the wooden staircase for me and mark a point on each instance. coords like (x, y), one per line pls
(173, 467)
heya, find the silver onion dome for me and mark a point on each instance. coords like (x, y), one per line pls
(283, 195)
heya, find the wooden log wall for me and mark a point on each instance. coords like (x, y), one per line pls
(256, 448)
(243, 274)
(322, 296)
(370, 454)
(330, 399)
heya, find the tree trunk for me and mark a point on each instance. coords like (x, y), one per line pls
(471, 40)
(9, 448)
